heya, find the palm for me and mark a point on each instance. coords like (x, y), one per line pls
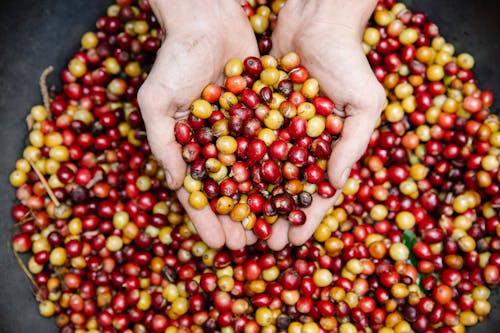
(189, 59)
(334, 56)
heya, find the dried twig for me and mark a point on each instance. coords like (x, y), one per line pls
(29, 121)
(97, 178)
(43, 86)
(24, 268)
(44, 183)
(26, 218)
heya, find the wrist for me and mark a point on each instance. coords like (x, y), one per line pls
(347, 17)
(351, 14)
(174, 13)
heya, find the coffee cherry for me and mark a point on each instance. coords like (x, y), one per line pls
(411, 244)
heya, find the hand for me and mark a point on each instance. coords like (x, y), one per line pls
(327, 36)
(200, 38)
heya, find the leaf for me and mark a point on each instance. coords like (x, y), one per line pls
(409, 239)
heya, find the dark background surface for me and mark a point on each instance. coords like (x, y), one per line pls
(35, 34)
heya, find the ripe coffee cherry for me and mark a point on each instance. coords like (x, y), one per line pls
(113, 250)
(256, 150)
(297, 217)
(274, 131)
(271, 172)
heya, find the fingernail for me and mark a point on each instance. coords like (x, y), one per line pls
(345, 175)
(168, 177)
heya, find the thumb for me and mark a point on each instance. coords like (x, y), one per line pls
(160, 132)
(348, 149)
(167, 151)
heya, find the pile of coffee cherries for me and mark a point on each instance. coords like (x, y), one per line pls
(255, 151)
(413, 243)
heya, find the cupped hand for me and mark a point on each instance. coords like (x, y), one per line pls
(200, 38)
(327, 36)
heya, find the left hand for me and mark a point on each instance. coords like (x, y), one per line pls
(201, 37)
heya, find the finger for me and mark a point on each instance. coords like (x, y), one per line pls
(298, 235)
(282, 38)
(234, 231)
(360, 98)
(204, 220)
(160, 125)
(279, 236)
(167, 150)
(356, 133)
(251, 238)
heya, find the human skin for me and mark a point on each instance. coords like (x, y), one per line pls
(327, 35)
(202, 36)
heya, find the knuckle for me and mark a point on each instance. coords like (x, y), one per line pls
(376, 99)
(296, 242)
(151, 100)
(145, 96)
(381, 97)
